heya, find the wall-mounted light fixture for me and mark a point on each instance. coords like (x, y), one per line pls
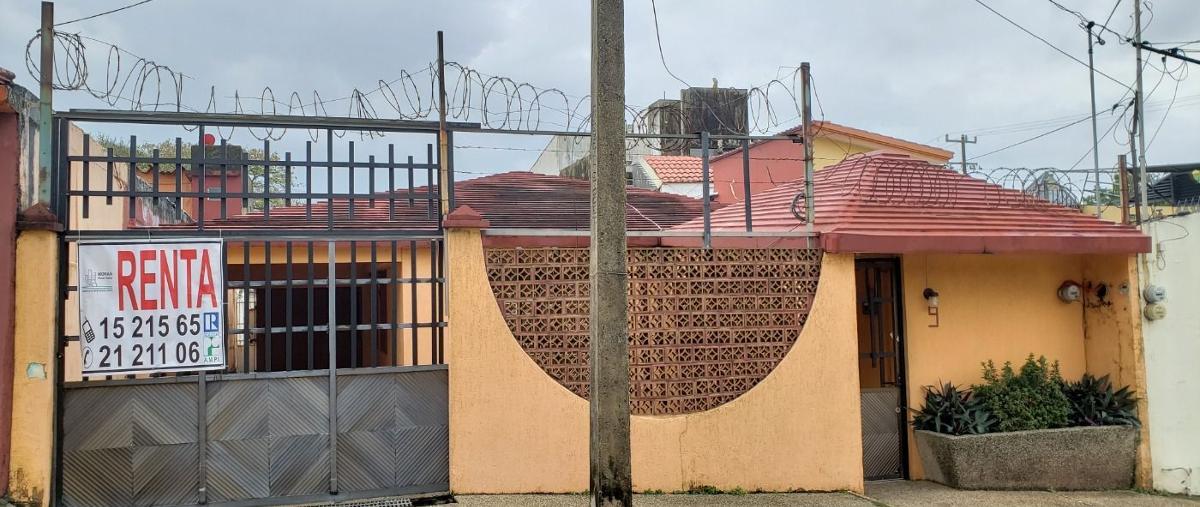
(931, 301)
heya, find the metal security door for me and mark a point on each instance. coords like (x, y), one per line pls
(335, 385)
(881, 368)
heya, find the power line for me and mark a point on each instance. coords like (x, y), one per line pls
(657, 37)
(1048, 43)
(1034, 138)
(105, 13)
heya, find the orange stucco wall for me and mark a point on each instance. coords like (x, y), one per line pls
(998, 307)
(514, 429)
(1004, 307)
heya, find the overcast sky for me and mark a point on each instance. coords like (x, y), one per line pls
(916, 69)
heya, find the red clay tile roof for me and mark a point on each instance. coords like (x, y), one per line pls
(825, 128)
(516, 200)
(675, 169)
(887, 203)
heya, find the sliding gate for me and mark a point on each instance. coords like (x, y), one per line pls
(333, 385)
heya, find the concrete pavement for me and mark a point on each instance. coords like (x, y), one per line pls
(891, 494)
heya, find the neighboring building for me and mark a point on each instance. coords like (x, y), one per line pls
(672, 174)
(776, 162)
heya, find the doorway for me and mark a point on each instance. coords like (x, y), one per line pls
(881, 368)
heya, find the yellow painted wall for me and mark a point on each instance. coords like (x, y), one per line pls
(1114, 342)
(514, 429)
(34, 365)
(998, 307)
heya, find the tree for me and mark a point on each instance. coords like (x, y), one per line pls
(256, 177)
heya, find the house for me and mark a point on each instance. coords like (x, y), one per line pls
(673, 174)
(774, 162)
(993, 260)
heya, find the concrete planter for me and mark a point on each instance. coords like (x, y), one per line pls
(1093, 457)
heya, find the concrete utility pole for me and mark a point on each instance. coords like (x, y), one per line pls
(1092, 88)
(445, 187)
(610, 476)
(1143, 197)
(962, 142)
(806, 112)
(46, 106)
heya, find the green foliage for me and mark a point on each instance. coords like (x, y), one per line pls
(1029, 400)
(1093, 402)
(956, 412)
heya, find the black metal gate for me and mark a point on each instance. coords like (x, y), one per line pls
(334, 385)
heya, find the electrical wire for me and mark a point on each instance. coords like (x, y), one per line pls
(105, 13)
(1048, 43)
(658, 38)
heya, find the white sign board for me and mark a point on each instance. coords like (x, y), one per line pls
(151, 307)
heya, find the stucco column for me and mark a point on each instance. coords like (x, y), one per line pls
(1113, 339)
(33, 421)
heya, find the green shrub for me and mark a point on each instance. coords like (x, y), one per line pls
(1094, 403)
(1030, 400)
(950, 410)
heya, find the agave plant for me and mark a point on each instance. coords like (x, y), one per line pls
(1095, 403)
(947, 409)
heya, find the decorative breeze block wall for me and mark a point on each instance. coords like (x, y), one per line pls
(705, 326)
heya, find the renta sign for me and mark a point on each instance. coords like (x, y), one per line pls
(151, 306)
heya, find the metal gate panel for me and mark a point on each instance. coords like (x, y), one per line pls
(296, 415)
(881, 433)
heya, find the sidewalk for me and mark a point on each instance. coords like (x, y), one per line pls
(892, 494)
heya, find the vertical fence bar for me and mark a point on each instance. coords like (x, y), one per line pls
(200, 174)
(266, 180)
(353, 303)
(331, 280)
(430, 206)
(287, 178)
(410, 182)
(329, 181)
(433, 302)
(154, 177)
(412, 299)
(350, 182)
(394, 307)
(268, 288)
(108, 181)
(705, 191)
(391, 182)
(309, 313)
(371, 183)
(246, 336)
(130, 184)
(178, 178)
(287, 309)
(450, 168)
(87, 187)
(746, 184)
(308, 182)
(374, 304)
(224, 177)
(440, 301)
(245, 182)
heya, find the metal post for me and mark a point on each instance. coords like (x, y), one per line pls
(746, 183)
(46, 107)
(331, 284)
(806, 111)
(443, 137)
(1095, 135)
(704, 191)
(1124, 179)
(610, 481)
(1137, 181)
